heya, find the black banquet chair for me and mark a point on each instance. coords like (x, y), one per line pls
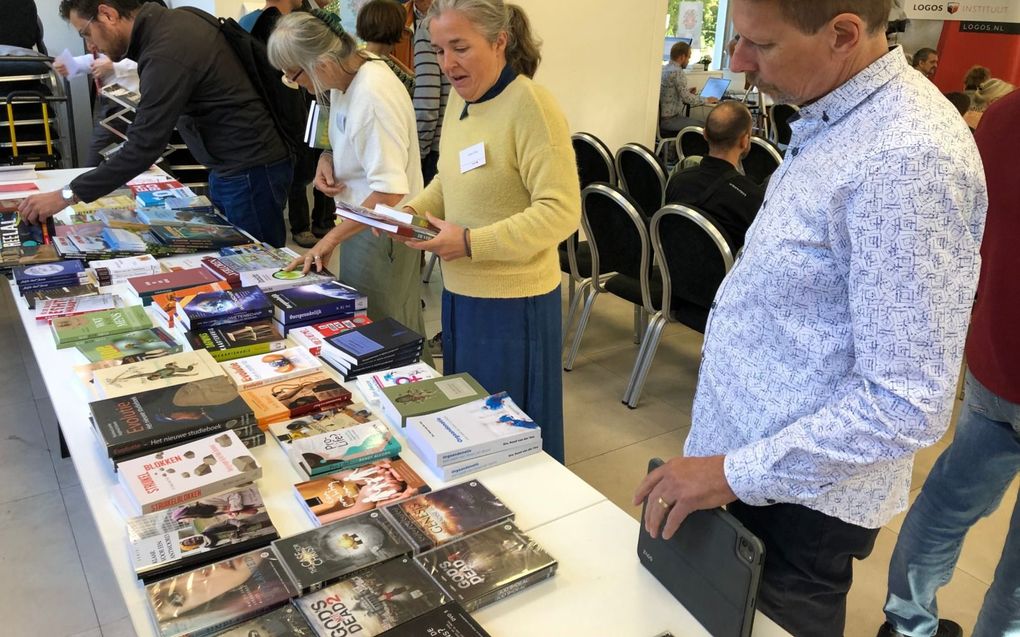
(641, 176)
(762, 160)
(690, 142)
(693, 256)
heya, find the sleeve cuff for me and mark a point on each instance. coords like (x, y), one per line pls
(483, 243)
(748, 476)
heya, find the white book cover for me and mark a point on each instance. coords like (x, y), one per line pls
(471, 430)
(49, 309)
(371, 384)
(264, 369)
(457, 470)
(157, 373)
(307, 337)
(187, 472)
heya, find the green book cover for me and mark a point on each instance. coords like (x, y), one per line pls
(130, 346)
(431, 395)
(70, 330)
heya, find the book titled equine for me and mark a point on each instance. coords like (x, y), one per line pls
(345, 493)
(209, 529)
(265, 369)
(193, 470)
(346, 448)
(158, 373)
(438, 517)
(213, 598)
(70, 330)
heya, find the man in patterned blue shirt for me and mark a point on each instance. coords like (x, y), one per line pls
(833, 349)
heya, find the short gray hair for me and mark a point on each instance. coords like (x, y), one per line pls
(302, 40)
(491, 17)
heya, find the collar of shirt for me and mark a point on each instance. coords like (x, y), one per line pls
(832, 107)
(506, 76)
(138, 29)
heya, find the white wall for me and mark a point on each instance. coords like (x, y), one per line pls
(602, 60)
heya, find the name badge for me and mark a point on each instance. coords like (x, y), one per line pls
(472, 157)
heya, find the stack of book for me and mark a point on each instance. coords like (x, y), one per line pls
(151, 186)
(432, 519)
(305, 305)
(342, 449)
(314, 336)
(130, 347)
(226, 307)
(146, 286)
(50, 309)
(285, 620)
(158, 373)
(239, 340)
(389, 220)
(186, 472)
(199, 236)
(121, 240)
(155, 194)
(371, 385)
(377, 346)
(71, 330)
(407, 400)
(181, 216)
(114, 271)
(165, 303)
(293, 398)
(156, 419)
(63, 292)
(473, 436)
(448, 620)
(22, 243)
(266, 369)
(34, 278)
(287, 431)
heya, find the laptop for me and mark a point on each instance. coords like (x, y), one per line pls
(715, 87)
(712, 565)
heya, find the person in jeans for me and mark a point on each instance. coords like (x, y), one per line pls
(970, 477)
(189, 76)
(833, 347)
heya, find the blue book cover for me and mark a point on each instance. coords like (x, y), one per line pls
(123, 240)
(46, 272)
(175, 217)
(316, 301)
(226, 306)
(156, 198)
(375, 340)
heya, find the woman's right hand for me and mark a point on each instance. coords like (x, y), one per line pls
(317, 256)
(60, 69)
(324, 181)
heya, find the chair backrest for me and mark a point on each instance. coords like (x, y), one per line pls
(594, 161)
(693, 255)
(691, 141)
(617, 235)
(780, 115)
(762, 160)
(641, 176)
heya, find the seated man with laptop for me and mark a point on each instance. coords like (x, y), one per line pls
(674, 96)
(714, 186)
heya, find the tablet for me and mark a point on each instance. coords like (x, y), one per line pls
(715, 87)
(712, 565)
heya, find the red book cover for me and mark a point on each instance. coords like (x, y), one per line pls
(150, 284)
(339, 326)
(222, 270)
(153, 186)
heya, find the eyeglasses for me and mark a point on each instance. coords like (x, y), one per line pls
(82, 31)
(291, 80)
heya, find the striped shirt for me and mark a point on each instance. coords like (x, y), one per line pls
(431, 91)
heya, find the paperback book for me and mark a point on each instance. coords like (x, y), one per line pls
(123, 240)
(71, 330)
(38, 276)
(293, 398)
(449, 620)
(286, 621)
(215, 597)
(179, 216)
(154, 186)
(145, 287)
(375, 341)
(188, 535)
(211, 309)
(165, 305)
(64, 292)
(22, 243)
(187, 472)
(156, 198)
(489, 566)
(372, 601)
(408, 400)
(130, 346)
(239, 340)
(350, 373)
(163, 417)
(313, 337)
(326, 554)
(389, 220)
(275, 278)
(465, 468)
(55, 308)
(201, 236)
(319, 423)
(432, 519)
(265, 369)
(340, 495)
(160, 373)
(471, 430)
(199, 203)
(114, 271)
(342, 449)
(316, 301)
(371, 385)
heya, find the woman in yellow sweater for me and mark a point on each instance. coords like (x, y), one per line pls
(505, 196)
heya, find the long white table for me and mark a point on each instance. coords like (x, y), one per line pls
(594, 540)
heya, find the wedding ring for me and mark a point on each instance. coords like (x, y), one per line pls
(665, 505)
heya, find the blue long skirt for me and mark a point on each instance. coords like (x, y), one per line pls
(511, 345)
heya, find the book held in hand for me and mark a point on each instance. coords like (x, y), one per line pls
(209, 529)
(215, 597)
(326, 554)
(187, 472)
(389, 220)
(265, 369)
(340, 495)
(488, 566)
(158, 373)
(438, 517)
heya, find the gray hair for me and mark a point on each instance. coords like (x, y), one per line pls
(492, 17)
(991, 90)
(302, 40)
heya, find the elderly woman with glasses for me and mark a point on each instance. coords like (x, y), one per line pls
(373, 158)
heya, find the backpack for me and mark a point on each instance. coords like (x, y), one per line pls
(286, 105)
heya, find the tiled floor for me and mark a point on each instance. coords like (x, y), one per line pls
(55, 579)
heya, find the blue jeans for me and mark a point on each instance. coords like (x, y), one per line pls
(253, 199)
(966, 484)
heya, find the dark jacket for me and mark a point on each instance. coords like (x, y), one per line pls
(189, 77)
(733, 202)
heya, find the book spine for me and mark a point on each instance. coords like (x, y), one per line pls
(118, 451)
(342, 400)
(296, 314)
(203, 491)
(480, 449)
(506, 590)
(232, 353)
(204, 323)
(407, 528)
(261, 382)
(343, 465)
(461, 469)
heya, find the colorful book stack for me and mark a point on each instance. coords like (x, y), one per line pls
(226, 307)
(34, 278)
(149, 421)
(340, 495)
(377, 346)
(371, 385)
(186, 472)
(229, 342)
(314, 336)
(152, 186)
(266, 369)
(473, 436)
(306, 305)
(407, 400)
(146, 286)
(155, 195)
(130, 346)
(293, 398)
(71, 330)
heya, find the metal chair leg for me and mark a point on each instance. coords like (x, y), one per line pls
(581, 325)
(646, 363)
(575, 302)
(429, 268)
(640, 356)
(640, 323)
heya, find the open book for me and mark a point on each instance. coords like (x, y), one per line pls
(389, 220)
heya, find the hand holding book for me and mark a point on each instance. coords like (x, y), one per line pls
(453, 241)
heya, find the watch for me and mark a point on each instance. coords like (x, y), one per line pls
(68, 195)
